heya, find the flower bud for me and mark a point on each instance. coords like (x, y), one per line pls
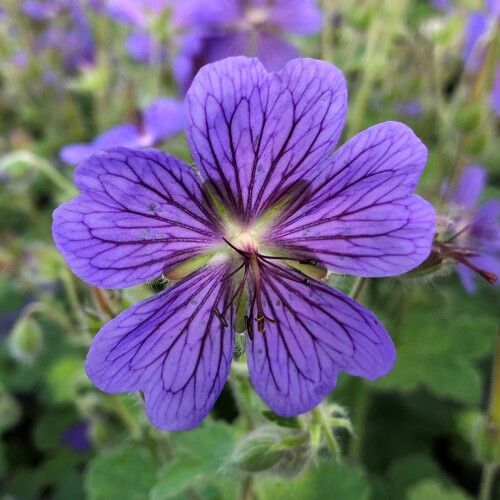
(281, 450)
(26, 340)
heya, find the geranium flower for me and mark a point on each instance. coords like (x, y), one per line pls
(140, 15)
(161, 120)
(249, 244)
(471, 232)
(479, 32)
(224, 28)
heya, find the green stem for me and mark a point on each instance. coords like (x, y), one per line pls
(51, 313)
(242, 392)
(319, 417)
(357, 288)
(487, 481)
(327, 32)
(361, 410)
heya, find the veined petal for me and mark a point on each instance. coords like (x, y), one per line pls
(359, 216)
(172, 347)
(255, 135)
(317, 333)
(141, 213)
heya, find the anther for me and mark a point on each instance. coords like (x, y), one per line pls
(309, 262)
(249, 326)
(220, 317)
(261, 325)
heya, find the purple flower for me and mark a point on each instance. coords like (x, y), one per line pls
(243, 27)
(163, 119)
(74, 42)
(140, 14)
(77, 437)
(473, 230)
(443, 5)
(248, 243)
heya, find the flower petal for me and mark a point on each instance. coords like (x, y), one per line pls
(125, 134)
(172, 347)
(359, 216)
(256, 135)
(473, 51)
(485, 226)
(274, 52)
(470, 186)
(163, 119)
(141, 212)
(318, 333)
(297, 16)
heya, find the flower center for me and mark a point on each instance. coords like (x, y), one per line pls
(257, 16)
(245, 241)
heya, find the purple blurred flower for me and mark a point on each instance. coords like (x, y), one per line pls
(163, 119)
(410, 108)
(74, 41)
(140, 14)
(478, 32)
(443, 5)
(473, 232)
(274, 202)
(243, 27)
(77, 437)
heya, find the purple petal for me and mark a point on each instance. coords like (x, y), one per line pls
(255, 135)
(126, 134)
(492, 7)
(75, 153)
(141, 213)
(163, 119)
(318, 333)
(443, 5)
(485, 226)
(221, 45)
(121, 135)
(215, 13)
(495, 92)
(172, 347)
(475, 28)
(482, 261)
(467, 277)
(143, 47)
(296, 16)
(470, 186)
(274, 52)
(360, 217)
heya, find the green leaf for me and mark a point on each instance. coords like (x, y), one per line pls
(126, 472)
(430, 489)
(200, 455)
(177, 476)
(328, 480)
(406, 471)
(438, 342)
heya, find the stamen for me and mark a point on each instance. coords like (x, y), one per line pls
(460, 254)
(249, 326)
(285, 273)
(220, 317)
(232, 273)
(244, 254)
